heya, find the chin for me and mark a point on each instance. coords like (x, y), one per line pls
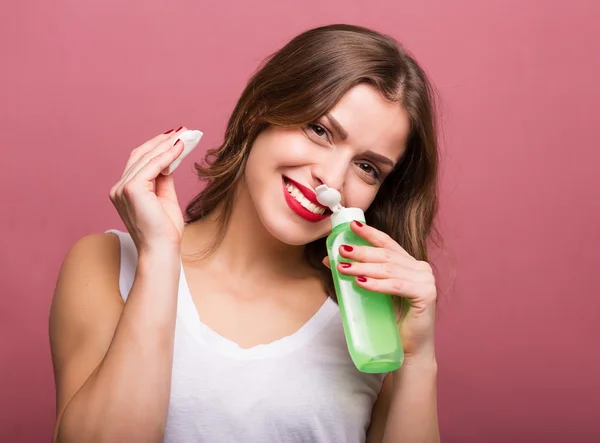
(281, 217)
(294, 232)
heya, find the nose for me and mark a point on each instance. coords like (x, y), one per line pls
(332, 173)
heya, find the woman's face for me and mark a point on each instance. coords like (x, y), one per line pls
(351, 149)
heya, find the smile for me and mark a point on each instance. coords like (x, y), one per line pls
(303, 201)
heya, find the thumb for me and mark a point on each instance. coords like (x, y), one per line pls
(326, 262)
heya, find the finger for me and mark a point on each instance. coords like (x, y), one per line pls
(153, 167)
(376, 237)
(370, 254)
(413, 291)
(161, 148)
(385, 270)
(140, 156)
(138, 152)
(326, 262)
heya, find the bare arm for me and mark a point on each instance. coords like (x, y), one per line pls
(406, 410)
(380, 412)
(112, 362)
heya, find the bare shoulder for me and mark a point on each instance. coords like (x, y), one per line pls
(85, 311)
(88, 280)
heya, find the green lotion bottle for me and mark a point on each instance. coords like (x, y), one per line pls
(369, 318)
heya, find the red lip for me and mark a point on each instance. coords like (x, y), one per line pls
(299, 209)
(307, 192)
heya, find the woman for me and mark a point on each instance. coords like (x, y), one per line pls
(224, 328)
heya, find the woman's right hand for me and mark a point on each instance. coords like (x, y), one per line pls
(146, 200)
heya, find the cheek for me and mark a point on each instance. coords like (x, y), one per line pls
(359, 194)
(262, 157)
(280, 149)
(298, 149)
(252, 169)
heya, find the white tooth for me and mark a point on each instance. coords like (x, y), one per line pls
(297, 194)
(305, 203)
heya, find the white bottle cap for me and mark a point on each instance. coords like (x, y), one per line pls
(346, 215)
(331, 197)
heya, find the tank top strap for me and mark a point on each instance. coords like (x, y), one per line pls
(129, 260)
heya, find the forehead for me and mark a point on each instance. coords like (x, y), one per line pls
(372, 122)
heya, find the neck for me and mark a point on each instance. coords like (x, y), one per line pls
(247, 249)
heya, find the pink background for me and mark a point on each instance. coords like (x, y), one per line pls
(82, 83)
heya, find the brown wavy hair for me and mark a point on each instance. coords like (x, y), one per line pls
(300, 83)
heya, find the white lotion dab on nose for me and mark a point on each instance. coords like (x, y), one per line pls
(190, 139)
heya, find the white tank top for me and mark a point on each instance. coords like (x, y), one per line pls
(301, 388)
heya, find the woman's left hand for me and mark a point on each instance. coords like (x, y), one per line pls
(388, 268)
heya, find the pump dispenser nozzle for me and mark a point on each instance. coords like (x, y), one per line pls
(331, 197)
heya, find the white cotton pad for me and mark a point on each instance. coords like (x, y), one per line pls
(190, 139)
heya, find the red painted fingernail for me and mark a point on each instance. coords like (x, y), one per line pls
(361, 279)
(345, 265)
(179, 128)
(348, 248)
(176, 142)
(359, 224)
(168, 132)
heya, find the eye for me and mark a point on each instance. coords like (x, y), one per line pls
(369, 169)
(319, 130)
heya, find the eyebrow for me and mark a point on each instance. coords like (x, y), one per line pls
(337, 127)
(373, 156)
(378, 158)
